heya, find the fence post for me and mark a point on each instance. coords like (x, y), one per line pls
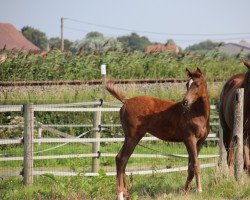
(223, 154)
(238, 134)
(96, 145)
(28, 144)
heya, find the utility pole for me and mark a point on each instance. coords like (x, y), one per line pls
(62, 39)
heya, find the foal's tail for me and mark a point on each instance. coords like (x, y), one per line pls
(113, 90)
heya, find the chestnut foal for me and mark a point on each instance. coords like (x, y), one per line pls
(186, 121)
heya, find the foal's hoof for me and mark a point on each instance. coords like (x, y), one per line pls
(199, 190)
(120, 196)
(185, 192)
(123, 196)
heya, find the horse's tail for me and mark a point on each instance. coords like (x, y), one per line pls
(220, 106)
(113, 90)
(223, 123)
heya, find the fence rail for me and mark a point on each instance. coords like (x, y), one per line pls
(98, 82)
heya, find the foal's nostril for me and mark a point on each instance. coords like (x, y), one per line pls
(185, 103)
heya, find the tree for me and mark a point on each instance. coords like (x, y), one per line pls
(170, 42)
(35, 36)
(56, 43)
(94, 35)
(95, 41)
(134, 42)
(205, 45)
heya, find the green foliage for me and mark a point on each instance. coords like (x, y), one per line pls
(94, 35)
(170, 42)
(96, 42)
(55, 43)
(37, 37)
(134, 42)
(59, 65)
(205, 45)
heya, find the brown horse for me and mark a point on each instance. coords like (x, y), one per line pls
(186, 121)
(226, 112)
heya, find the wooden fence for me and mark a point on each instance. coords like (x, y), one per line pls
(98, 108)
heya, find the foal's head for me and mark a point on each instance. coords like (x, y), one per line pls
(196, 88)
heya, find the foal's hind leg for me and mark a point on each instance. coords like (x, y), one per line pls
(121, 162)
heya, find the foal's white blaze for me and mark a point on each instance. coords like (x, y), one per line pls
(190, 82)
(120, 196)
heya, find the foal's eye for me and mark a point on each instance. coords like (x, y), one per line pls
(196, 85)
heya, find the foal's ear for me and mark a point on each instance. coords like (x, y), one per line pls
(198, 69)
(246, 63)
(188, 72)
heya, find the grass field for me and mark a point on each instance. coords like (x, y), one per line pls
(67, 93)
(155, 186)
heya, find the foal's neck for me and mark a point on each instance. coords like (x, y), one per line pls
(202, 106)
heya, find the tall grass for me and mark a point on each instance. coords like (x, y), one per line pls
(57, 65)
(67, 94)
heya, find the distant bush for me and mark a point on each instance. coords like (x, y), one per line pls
(57, 65)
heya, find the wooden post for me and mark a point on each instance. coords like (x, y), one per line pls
(96, 145)
(223, 153)
(28, 144)
(238, 134)
(62, 39)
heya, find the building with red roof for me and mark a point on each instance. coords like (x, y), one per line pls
(11, 38)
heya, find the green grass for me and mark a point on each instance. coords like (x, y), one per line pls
(155, 186)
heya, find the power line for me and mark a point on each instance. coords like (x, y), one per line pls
(176, 39)
(77, 29)
(156, 33)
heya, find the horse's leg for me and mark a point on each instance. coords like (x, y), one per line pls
(246, 155)
(121, 162)
(194, 165)
(230, 158)
(198, 176)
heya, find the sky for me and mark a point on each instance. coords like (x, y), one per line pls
(185, 21)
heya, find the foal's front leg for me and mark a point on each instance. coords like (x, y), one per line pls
(193, 165)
